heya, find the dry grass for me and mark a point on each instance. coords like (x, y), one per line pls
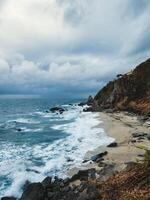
(132, 184)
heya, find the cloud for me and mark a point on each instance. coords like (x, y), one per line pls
(61, 46)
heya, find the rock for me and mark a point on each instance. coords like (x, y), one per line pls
(130, 165)
(93, 109)
(34, 191)
(133, 141)
(98, 156)
(66, 181)
(19, 129)
(107, 171)
(89, 109)
(148, 137)
(90, 101)
(8, 198)
(26, 185)
(32, 170)
(83, 175)
(82, 104)
(47, 182)
(50, 194)
(57, 109)
(139, 134)
(113, 144)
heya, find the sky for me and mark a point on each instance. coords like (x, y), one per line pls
(70, 47)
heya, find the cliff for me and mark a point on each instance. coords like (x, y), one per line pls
(129, 92)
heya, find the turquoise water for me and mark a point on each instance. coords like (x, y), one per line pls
(46, 143)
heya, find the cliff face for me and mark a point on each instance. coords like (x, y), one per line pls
(130, 92)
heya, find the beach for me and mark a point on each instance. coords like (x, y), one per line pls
(121, 126)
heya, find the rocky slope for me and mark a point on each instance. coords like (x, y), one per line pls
(130, 92)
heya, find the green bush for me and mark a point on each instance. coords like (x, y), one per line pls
(146, 159)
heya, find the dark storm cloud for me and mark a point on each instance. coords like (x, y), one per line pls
(62, 46)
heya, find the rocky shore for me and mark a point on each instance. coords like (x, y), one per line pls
(111, 174)
(121, 171)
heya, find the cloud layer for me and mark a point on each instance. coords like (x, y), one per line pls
(75, 47)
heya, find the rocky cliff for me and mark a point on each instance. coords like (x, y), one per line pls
(130, 92)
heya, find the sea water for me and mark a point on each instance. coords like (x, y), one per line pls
(35, 144)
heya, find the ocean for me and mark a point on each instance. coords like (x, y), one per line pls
(35, 144)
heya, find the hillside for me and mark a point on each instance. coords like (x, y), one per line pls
(130, 92)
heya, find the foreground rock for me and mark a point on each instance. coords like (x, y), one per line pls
(132, 183)
(33, 191)
(113, 144)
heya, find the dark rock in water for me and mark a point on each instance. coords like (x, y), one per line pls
(113, 144)
(82, 104)
(98, 156)
(89, 109)
(19, 129)
(69, 160)
(57, 109)
(8, 198)
(47, 111)
(47, 182)
(32, 170)
(34, 191)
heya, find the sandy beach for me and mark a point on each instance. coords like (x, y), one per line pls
(121, 126)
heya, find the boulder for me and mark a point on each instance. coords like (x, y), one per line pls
(34, 191)
(47, 182)
(113, 144)
(99, 156)
(57, 109)
(139, 134)
(82, 104)
(83, 175)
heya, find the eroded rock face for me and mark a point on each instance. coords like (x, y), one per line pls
(129, 92)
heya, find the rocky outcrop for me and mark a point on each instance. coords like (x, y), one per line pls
(57, 110)
(130, 92)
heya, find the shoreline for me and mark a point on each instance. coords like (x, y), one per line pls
(120, 126)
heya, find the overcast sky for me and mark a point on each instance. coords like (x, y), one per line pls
(70, 47)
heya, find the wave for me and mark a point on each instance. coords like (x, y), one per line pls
(84, 135)
(24, 121)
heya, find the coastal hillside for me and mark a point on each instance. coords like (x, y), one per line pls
(130, 92)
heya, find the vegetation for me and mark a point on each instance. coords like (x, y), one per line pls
(146, 159)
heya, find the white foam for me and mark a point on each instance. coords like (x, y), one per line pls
(56, 158)
(25, 121)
